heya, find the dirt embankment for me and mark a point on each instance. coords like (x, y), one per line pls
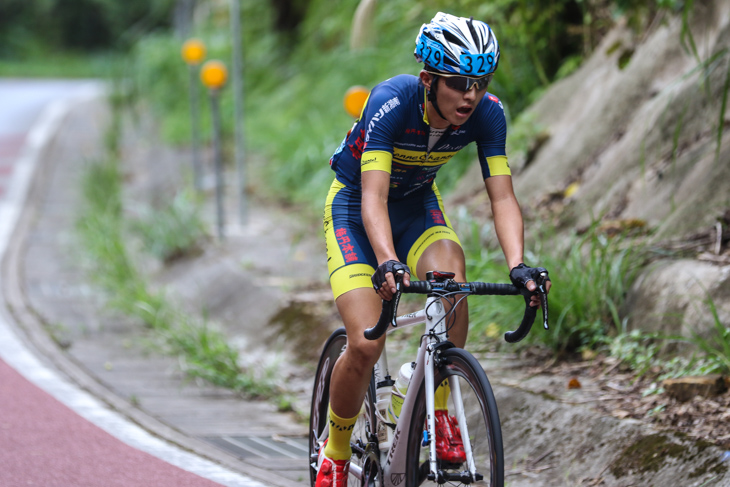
(640, 133)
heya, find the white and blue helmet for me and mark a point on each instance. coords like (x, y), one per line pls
(457, 45)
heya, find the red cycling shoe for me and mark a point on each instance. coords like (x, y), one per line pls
(331, 473)
(449, 446)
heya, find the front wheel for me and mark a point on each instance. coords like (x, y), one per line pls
(364, 464)
(464, 372)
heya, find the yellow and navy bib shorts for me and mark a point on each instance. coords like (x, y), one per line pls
(417, 221)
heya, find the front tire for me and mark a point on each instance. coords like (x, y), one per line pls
(482, 417)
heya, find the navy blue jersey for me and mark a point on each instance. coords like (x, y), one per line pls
(392, 135)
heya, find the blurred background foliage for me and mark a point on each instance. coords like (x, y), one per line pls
(298, 62)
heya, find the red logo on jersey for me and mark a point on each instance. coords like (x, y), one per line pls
(357, 147)
(415, 131)
(494, 98)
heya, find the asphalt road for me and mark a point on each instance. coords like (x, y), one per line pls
(51, 432)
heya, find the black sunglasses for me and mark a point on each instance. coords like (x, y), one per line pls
(464, 84)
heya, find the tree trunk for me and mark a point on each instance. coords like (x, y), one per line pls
(363, 32)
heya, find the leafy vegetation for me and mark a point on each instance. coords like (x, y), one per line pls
(203, 348)
(297, 68)
(42, 27)
(173, 231)
(294, 83)
(595, 273)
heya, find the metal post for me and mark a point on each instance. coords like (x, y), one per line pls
(218, 159)
(235, 13)
(195, 128)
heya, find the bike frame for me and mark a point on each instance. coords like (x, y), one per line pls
(394, 461)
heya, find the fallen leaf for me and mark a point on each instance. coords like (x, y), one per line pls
(574, 383)
(620, 414)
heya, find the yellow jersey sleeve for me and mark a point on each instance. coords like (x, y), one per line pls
(498, 166)
(376, 161)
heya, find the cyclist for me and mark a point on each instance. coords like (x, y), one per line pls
(384, 213)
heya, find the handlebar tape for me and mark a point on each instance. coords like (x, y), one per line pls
(527, 320)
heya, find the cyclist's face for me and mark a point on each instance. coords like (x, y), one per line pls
(456, 106)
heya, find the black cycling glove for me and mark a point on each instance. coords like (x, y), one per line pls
(521, 275)
(392, 266)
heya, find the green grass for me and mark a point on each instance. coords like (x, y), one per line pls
(173, 231)
(591, 275)
(717, 349)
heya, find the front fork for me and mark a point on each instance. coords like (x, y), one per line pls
(432, 362)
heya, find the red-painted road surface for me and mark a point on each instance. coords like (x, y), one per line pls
(42, 441)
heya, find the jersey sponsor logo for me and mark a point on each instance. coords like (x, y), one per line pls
(416, 131)
(357, 147)
(369, 158)
(454, 148)
(421, 147)
(438, 217)
(361, 274)
(348, 250)
(384, 109)
(419, 158)
(496, 100)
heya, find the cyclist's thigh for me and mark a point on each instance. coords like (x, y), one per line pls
(350, 258)
(427, 239)
(443, 255)
(351, 262)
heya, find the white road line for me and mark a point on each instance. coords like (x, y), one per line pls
(14, 352)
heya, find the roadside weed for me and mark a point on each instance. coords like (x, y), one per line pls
(202, 349)
(591, 274)
(641, 351)
(173, 231)
(717, 349)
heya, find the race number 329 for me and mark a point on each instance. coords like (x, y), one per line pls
(432, 53)
(476, 64)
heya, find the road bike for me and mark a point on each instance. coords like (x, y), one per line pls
(403, 454)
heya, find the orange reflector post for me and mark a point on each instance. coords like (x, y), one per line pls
(193, 51)
(214, 74)
(355, 98)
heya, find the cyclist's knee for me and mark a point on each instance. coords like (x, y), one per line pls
(364, 353)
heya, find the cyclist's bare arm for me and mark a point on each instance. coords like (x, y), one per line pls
(508, 224)
(375, 187)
